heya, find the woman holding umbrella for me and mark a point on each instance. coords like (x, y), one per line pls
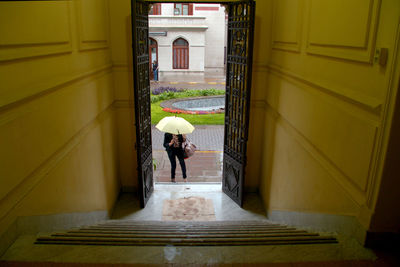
(173, 146)
(175, 129)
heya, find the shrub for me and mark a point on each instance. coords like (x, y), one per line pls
(180, 93)
(208, 92)
(166, 89)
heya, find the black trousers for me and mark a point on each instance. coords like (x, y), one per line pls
(174, 153)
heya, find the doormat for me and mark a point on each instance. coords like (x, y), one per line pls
(188, 209)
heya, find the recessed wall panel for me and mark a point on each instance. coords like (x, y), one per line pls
(343, 140)
(34, 28)
(286, 26)
(342, 29)
(92, 24)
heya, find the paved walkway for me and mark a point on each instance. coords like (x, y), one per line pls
(204, 166)
(205, 137)
(191, 82)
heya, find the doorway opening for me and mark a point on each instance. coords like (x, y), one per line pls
(188, 55)
(191, 62)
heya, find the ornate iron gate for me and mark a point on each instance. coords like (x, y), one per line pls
(140, 37)
(238, 85)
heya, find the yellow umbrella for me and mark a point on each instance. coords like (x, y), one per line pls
(175, 125)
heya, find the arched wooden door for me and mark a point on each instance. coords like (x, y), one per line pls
(180, 54)
(153, 55)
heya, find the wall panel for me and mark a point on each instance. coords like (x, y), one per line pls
(346, 141)
(343, 29)
(45, 125)
(93, 24)
(36, 28)
(287, 25)
(294, 186)
(90, 165)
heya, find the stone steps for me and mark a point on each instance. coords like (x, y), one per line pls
(128, 233)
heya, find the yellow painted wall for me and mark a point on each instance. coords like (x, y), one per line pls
(326, 104)
(121, 51)
(261, 54)
(386, 217)
(57, 122)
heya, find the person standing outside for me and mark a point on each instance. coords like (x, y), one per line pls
(173, 146)
(155, 70)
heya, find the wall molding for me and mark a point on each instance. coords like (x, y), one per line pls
(19, 52)
(24, 49)
(86, 43)
(18, 193)
(47, 88)
(366, 102)
(387, 117)
(286, 45)
(352, 189)
(353, 52)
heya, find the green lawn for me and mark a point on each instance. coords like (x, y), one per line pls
(205, 119)
(212, 119)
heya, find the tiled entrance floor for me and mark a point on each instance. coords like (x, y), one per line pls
(202, 167)
(127, 207)
(345, 253)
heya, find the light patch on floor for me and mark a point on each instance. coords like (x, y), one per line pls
(188, 209)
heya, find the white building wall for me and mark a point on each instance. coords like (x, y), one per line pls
(214, 36)
(167, 9)
(205, 32)
(196, 40)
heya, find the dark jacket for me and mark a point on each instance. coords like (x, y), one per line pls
(155, 66)
(167, 140)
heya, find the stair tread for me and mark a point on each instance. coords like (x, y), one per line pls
(192, 235)
(185, 234)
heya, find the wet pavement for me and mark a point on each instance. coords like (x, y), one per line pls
(206, 164)
(202, 167)
(191, 82)
(205, 137)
